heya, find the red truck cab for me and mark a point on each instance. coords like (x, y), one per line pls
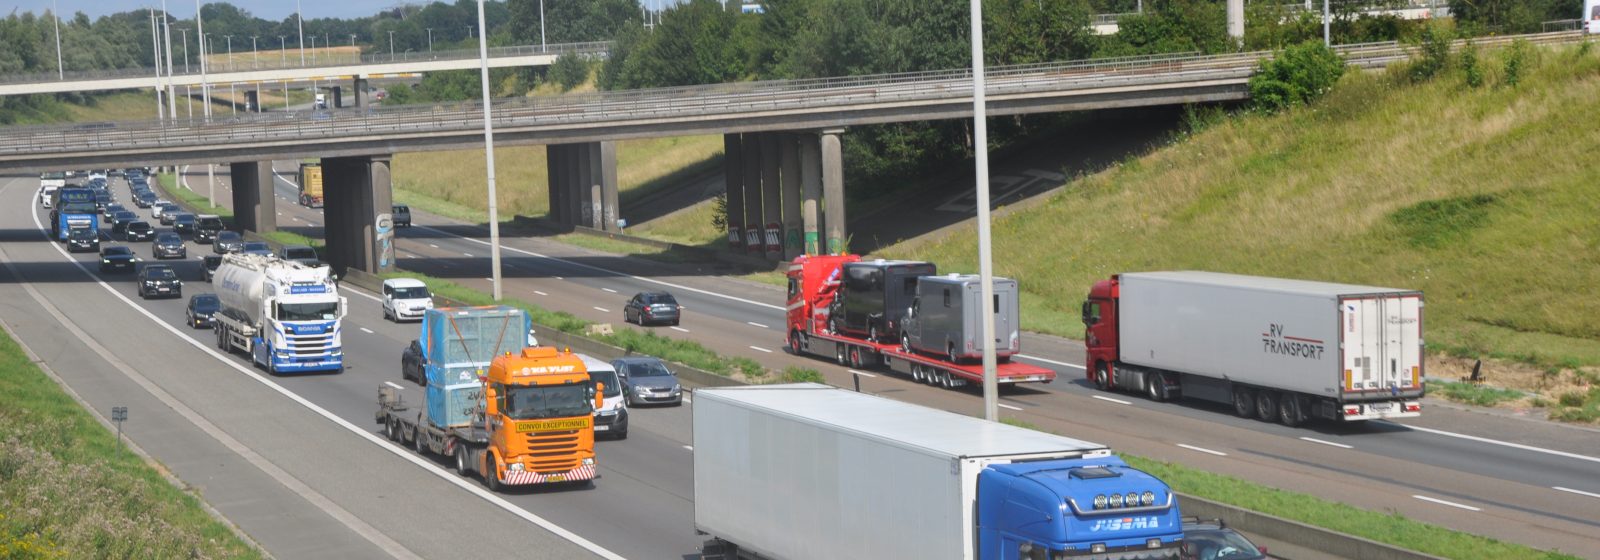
(813, 282)
(1100, 331)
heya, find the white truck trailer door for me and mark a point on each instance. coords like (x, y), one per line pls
(1381, 340)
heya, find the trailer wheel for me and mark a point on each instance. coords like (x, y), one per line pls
(1289, 411)
(838, 353)
(1266, 405)
(855, 357)
(394, 430)
(1102, 377)
(872, 333)
(416, 441)
(1154, 387)
(461, 461)
(946, 381)
(916, 372)
(905, 343)
(1244, 402)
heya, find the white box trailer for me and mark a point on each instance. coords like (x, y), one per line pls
(807, 471)
(1344, 351)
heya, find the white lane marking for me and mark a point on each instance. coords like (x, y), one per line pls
(679, 329)
(1444, 503)
(488, 279)
(395, 385)
(1053, 362)
(1109, 399)
(469, 255)
(761, 349)
(757, 325)
(403, 453)
(860, 373)
(689, 447)
(295, 218)
(366, 330)
(540, 293)
(1329, 443)
(1578, 492)
(432, 245)
(602, 309)
(1202, 450)
(1504, 443)
(607, 271)
(609, 290)
(1008, 407)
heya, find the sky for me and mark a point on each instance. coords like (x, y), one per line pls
(272, 10)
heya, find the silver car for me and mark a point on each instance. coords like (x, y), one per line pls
(646, 380)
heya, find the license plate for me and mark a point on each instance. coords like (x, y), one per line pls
(557, 478)
(601, 428)
(163, 289)
(1381, 407)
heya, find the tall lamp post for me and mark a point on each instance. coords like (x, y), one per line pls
(488, 156)
(205, 94)
(61, 71)
(430, 39)
(229, 40)
(283, 50)
(255, 55)
(391, 46)
(980, 148)
(172, 89)
(300, 26)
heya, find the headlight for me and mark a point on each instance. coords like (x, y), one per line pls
(1116, 500)
(514, 467)
(107, 261)
(1100, 501)
(641, 390)
(149, 284)
(588, 461)
(1133, 499)
(1148, 498)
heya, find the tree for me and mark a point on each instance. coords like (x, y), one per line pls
(1296, 76)
(1512, 16)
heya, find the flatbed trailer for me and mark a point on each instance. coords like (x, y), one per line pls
(408, 425)
(863, 354)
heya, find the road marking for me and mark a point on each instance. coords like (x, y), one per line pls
(560, 278)
(432, 245)
(755, 324)
(1038, 359)
(689, 447)
(366, 330)
(1109, 399)
(602, 309)
(609, 290)
(1444, 503)
(1202, 450)
(395, 385)
(289, 480)
(1338, 445)
(761, 349)
(679, 329)
(469, 255)
(488, 280)
(861, 373)
(1578, 492)
(540, 293)
(1504, 443)
(1008, 407)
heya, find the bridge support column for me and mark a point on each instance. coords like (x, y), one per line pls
(337, 97)
(811, 191)
(789, 169)
(606, 183)
(733, 188)
(254, 206)
(772, 194)
(833, 189)
(252, 100)
(583, 184)
(583, 158)
(555, 170)
(358, 91)
(357, 216)
(751, 150)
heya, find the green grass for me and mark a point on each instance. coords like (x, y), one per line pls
(68, 490)
(1482, 198)
(1481, 395)
(193, 199)
(291, 238)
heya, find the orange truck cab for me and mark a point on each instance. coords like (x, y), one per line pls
(539, 417)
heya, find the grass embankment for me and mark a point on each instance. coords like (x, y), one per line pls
(68, 490)
(292, 238)
(193, 199)
(1484, 198)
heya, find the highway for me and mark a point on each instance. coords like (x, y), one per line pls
(641, 506)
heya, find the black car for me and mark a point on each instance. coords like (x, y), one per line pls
(121, 219)
(201, 309)
(401, 215)
(206, 229)
(168, 246)
(185, 223)
(117, 258)
(138, 231)
(112, 209)
(256, 248)
(413, 365)
(227, 242)
(158, 280)
(651, 307)
(82, 240)
(1211, 539)
(209, 264)
(144, 199)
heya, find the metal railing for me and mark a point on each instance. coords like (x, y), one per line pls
(245, 62)
(719, 100)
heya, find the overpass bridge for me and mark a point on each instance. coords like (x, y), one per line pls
(329, 67)
(782, 163)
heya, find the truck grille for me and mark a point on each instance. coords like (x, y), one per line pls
(553, 451)
(310, 344)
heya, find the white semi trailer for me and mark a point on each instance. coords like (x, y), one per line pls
(285, 315)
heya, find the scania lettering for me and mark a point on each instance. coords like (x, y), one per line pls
(286, 316)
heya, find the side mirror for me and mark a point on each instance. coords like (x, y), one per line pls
(599, 395)
(490, 405)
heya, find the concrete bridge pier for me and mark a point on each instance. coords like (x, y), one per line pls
(583, 184)
(777, 182)
(358, 92)
(254, 206)
(789, 170)
(832, 156)
(357, 220)
(733, 188)
(252, 100)
(751, 149)
(336, 97)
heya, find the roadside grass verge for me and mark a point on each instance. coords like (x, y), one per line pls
(68, 490)
(1481, 395)
(193, 199)
(291, 238)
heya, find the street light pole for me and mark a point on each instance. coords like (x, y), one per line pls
(283, 50)
(980, 148)
(488, 156)
(172, 88)
(469, 32)
(205, 94)
(1327, 38)
(255, 55)
(391, 46)
(430, 39)
(229, 40)
(542, 47)
(185, 32)
(300, 24)
(61, 71)
(155, 54)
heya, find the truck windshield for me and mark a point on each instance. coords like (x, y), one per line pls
(552, 401)
(319, 311)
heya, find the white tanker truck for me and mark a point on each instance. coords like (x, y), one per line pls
(284, 314)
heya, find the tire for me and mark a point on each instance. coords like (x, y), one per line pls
(461, 461)
(905, 342)
(1289, 411)
(1244, 402)
(491, 473)
(1102, 377)
(838, 353)
(945, 380)
(1266, 405)
(416, 441)
(916, 372)
(1153, 387)
(855, 357)
(794, 342)
(394, 430)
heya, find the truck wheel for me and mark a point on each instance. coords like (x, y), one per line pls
(1244, 402)
(1266, 405)
(1154, 387)
(417, 443)
(1289, 411)
(794, 342)
(394, 430)
(855, 358)
(491, 472)
(1102, 377)
(946, 381)
(461, 461)
(905, 342)
(838, 353)
(916, 372)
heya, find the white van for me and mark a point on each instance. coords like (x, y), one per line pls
(405, 299)
(612, 419)
(47, 196)
(1591, 16)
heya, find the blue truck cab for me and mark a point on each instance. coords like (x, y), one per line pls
(1097, 508)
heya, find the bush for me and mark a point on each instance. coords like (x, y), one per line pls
(1296, 76)
(1572, 398)
(1516, 62)
(794, 374)
(569, 70)
(1470, 66)
(1436, 40)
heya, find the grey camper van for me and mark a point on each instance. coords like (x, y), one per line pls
(944, 318)
(873, 295)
